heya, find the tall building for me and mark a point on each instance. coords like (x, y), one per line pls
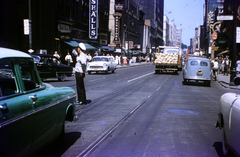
(179, 37)
(172, 34)
(154, 11)
(166, 31)
(56, 25)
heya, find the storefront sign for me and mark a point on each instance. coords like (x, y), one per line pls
(93, 19)
(117, 17)
(119, 7)
(64, 28)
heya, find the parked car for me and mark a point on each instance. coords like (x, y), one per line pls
(197, 69)
(229, 121)
(32, 113)
(101, 64)
(50, 66)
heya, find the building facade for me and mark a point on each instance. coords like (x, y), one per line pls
(166, 31)
(55, 25)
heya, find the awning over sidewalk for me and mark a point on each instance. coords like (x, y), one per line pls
(103, 48)
(226, 51)
(75, 44)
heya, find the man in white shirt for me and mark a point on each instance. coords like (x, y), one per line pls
(80, 67)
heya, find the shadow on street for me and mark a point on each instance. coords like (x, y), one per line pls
(55, 149)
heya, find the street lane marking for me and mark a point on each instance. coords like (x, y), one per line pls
(140, 77)
(97, 79)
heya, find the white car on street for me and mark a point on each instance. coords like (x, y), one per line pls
(229, 121)
(101, 64)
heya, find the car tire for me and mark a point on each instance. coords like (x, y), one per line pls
(62, 77)
(113, 71)
(225, 148)
(208, 83)
(89, 72)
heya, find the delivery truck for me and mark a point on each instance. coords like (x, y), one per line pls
(167, 58)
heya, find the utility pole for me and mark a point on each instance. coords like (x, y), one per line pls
(30, 27)
(206, 28)
(233, 53)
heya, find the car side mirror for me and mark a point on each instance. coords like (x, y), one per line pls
(236, 80)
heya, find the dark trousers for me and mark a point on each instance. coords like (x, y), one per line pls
(226, 69)
(80, 87)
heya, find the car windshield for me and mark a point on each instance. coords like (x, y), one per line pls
(99, 59)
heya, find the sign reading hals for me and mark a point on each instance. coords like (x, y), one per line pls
(117, 17)
(93, 19)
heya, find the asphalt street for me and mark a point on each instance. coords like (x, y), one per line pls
(156, 115)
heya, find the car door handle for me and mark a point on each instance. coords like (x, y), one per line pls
(3, 106)
(33, 97)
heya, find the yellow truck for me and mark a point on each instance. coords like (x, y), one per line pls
(167, 58)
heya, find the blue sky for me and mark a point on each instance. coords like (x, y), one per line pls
(187, 14)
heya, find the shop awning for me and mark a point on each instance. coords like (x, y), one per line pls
(107, 48)
(226, 51)
(75, 44)
(104, 48)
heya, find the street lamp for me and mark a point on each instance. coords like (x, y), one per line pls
(128, 36)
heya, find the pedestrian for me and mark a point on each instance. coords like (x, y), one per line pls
(219, 59)
(56, 55)
(226, 66)
(223, 63)
(96, 53)
(215, 69)
(80, 67)
(89, 57)
(68, 59)
(238, 66)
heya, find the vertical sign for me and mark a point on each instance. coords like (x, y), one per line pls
(93, 19)
(26, 26)
(238, 35)
(117, 17)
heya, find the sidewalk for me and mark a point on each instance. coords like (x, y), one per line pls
(225, 80)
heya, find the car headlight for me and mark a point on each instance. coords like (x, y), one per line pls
(104, 64)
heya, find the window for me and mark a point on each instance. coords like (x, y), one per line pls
(7, 79)
(203, 64)
(29, 76)
(194, 63)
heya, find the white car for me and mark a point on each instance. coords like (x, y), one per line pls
(229, 122)
(101, 64)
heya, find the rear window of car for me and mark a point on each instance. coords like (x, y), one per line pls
(194, 63)
(203, 64)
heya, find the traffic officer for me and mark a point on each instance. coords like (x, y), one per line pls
(80, 68)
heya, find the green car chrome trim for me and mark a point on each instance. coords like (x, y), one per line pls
(34, 111)
(25, 92)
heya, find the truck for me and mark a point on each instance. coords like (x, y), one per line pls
(167, 58)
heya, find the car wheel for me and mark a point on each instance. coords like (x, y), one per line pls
(113, 71)
(107, 70)
(208, 83)
(224, 143)
(89, 72)
(62, 77)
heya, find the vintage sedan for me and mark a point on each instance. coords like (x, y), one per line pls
(197, 69)
(101, 64)
(229, 122)
(32, 113)
(50, 66)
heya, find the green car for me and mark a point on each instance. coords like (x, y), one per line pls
(32, 114)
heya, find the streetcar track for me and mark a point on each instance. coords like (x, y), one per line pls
(107, 96)
(92, 147)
